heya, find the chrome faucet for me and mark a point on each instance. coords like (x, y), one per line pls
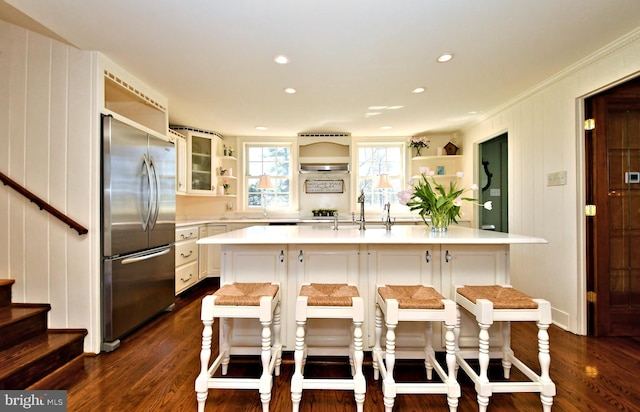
(361, 220)
(387, 220)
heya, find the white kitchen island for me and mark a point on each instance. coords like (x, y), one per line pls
(412, 254)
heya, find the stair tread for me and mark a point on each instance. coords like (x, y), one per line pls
(35, 348)
(16, 312)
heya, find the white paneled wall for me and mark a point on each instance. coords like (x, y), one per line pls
(545, 137)
(49, 143)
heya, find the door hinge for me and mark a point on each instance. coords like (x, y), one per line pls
(591, 297)
(589, 124)
(590, 210)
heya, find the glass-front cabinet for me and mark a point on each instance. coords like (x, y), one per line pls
(202, 173)
(202, 161)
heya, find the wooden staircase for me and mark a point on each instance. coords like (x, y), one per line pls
(29, 351)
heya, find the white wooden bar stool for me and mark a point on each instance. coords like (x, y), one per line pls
(501, 303)
(240, 300)
(329, 301)
(415, 303)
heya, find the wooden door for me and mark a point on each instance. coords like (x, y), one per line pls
(613, 186)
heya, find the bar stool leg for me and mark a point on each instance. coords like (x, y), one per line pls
(297, 378)
(224, 344)
(429, 353)
(202, 389)
(377, 348)
(390, 361)
(352, 349)
(484, 392)
(359, 383)
(507, 352)
(456, 335)
(450, 357)
(277, 344)
(266, 379)
(546, 395)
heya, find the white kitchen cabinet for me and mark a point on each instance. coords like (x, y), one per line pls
(181, 162)
(468, 265)
(203, 254)
(443, 267)
(213, 252)
(324, 264)
(186, 251)
(256, 264)
(403, 265)
(201, 160)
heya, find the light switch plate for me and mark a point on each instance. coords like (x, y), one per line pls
(494, 192)
(557, 178)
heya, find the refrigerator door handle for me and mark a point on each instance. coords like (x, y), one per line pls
(155, 191)
(145, 167)
(136, 259)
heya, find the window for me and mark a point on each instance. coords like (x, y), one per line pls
(273, 160)
(374, 160)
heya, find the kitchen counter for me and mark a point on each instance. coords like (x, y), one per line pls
(407, 254)
(374, 222)
(292, 220)
(323, 233)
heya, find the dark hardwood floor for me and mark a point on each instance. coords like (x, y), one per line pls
(155, 369)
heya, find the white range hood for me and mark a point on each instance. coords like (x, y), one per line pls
(324, 157)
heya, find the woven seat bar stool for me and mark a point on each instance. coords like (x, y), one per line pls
(414, 303)
(502, 303)
(260, 301)
(329, 301)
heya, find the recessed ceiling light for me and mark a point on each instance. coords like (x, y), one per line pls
(369, 114)
(377, 107)
(394, 107)
(418, 90)
(261, 127)
(386, 127)
(290, 90)
(445, 57)
(281, 59)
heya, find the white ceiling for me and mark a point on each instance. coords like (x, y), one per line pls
(213, 59)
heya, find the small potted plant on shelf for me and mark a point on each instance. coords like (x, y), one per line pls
(225, 186)
(419, 142)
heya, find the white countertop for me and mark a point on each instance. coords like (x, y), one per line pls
(349, 234)
(344, 220)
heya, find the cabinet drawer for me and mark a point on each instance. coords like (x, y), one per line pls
(186, 252)
(186, 233)
(186, 276)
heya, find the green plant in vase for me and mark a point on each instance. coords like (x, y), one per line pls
(434, 202)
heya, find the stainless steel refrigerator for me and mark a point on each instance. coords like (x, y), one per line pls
(138, 228)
